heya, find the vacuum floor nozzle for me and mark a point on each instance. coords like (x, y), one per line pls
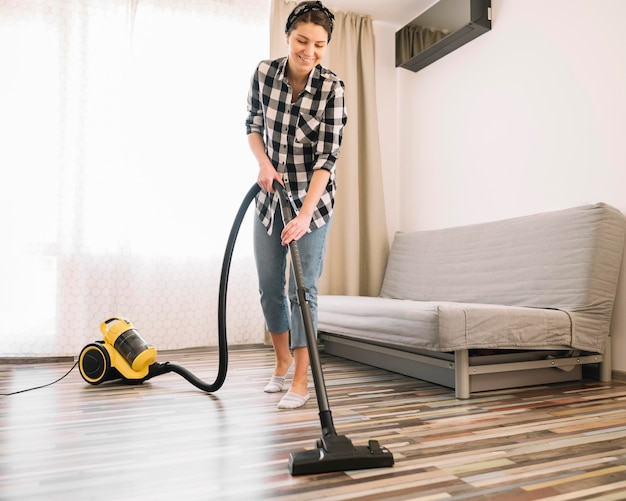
(334, 452)
(337, 453)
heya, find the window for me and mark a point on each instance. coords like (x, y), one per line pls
(124, 161)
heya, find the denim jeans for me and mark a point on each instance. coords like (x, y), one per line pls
(282, 313)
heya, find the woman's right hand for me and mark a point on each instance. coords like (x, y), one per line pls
(266, 177)
(267, 172)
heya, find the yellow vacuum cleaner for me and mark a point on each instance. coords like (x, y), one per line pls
(123, 353)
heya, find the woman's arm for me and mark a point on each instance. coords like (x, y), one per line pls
(330, 134)
(299, 225)
(267, 172)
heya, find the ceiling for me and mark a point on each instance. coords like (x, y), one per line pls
(397, 12)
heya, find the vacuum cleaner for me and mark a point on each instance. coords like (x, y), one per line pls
(124, 354)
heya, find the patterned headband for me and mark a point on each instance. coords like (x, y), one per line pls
(309, 7)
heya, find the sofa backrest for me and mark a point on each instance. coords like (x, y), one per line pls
(567, 259)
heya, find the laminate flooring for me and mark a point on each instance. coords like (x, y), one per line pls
(165, 439)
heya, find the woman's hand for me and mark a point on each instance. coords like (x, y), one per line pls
(296, 228)
(266, 177)
(267, 172)
(299, 225)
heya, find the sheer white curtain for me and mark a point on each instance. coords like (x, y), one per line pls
(124, 160)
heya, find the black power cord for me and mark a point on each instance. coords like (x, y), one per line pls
(42, 386)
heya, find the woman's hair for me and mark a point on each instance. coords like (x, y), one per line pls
(311, 12)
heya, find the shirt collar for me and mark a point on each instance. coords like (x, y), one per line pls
(315, 75)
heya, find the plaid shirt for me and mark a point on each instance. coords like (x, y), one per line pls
(300, 137)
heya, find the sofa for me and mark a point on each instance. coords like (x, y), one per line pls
(502, 304)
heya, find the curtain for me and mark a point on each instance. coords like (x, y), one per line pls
(124, 161)
(413, 39)
(358, 242)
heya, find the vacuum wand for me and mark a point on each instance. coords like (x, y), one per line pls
(333, 452)
(328, 428)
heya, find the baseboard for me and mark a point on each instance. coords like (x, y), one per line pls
(50, 359)
(35, 360)
(619, 376)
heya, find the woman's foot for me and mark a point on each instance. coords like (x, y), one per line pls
(298, 393)
(276, 383)
(293, 400)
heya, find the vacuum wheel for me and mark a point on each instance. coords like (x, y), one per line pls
(94, 363)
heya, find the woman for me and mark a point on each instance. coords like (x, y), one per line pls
(295, 121)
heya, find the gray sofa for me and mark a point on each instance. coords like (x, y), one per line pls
(516, 302)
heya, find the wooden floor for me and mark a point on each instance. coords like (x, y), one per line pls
(166, 439)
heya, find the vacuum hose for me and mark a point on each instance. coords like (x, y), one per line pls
(165, 367)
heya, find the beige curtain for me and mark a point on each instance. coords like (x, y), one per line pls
(358, 242)
(413, 39)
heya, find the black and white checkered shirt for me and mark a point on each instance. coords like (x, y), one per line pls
(299, 137)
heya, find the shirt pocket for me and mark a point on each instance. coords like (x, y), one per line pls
(307, 130)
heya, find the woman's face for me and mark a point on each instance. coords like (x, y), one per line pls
(307, 46)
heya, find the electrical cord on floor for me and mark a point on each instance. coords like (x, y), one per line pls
(42, 386)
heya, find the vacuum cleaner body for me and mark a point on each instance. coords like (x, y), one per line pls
(122, 353)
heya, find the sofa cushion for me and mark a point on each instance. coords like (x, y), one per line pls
(390, 321)
(443, 326)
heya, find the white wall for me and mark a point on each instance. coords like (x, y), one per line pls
(529, 117)
(387, 100)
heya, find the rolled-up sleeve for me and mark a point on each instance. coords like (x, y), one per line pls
(254, 118)
(330, 133)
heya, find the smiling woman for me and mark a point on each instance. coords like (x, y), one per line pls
(119, 145)
(296, 116)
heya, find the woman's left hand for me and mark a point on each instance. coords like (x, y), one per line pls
(295, 229)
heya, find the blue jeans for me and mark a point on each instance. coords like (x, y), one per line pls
(282, 314)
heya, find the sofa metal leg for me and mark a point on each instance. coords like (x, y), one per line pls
(606, 366)
(461, 374)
